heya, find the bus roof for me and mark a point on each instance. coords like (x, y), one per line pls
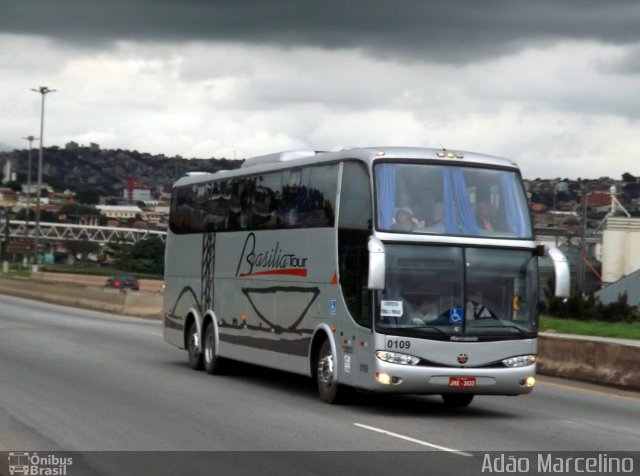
(294, 158)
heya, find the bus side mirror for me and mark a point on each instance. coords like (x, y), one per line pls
(377, 264)
(561, 271)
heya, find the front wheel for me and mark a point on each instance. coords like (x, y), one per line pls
(193, 349)
(328, 388)
(457, 399)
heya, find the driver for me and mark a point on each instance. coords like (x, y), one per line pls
(475, 308)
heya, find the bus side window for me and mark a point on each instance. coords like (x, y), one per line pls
(354, 228)
(182, 219)
(266, 200)
(302, 199)
(323, 184)
(218, 206)
(174, 221)
(239, 217)
(286, 212)
(199, 216)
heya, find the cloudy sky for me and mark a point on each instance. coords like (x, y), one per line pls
(553, 84)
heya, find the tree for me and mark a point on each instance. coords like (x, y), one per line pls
(88, 197)
(121, 253)
(78, 209)
(148, 256)
(15, 186)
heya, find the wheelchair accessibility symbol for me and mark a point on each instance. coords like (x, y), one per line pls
(455, 315)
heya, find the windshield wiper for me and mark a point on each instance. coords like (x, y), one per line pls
(432, 328)
(510, 326)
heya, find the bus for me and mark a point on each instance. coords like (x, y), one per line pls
(398, 270)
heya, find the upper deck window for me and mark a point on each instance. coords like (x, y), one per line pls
(298, 198)
(451, 200)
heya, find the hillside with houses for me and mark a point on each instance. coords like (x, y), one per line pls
(90, 185)
(115, 187)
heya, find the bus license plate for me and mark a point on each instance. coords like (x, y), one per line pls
(462, 382)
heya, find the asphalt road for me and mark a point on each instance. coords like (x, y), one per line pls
(100, 384)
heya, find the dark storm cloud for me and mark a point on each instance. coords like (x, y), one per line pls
(445, 31)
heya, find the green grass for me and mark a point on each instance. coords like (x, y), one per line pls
(19, 273)
(623, 330)
(77, 269)
(93, 270)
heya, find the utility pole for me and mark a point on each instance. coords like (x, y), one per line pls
(26, 227)
(555, 211)
(42, 90)
(4, 246)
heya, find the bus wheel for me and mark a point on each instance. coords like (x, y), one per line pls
(195, 356)
(328, 387)
(212, 363)
(457, 399)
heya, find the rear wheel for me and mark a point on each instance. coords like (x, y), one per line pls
(457, 399)
(212, 363)
(193, 349)
(328, 388)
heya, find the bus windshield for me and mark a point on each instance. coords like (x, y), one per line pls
(445, 292)
(451, 200)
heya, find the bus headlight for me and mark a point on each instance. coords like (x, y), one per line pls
(519, 361)
(397, 358)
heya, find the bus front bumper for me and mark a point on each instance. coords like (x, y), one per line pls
(396, 378)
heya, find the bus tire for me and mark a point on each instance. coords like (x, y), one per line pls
(195, 354)
(328, 388)
(212, 363)
(457, 399)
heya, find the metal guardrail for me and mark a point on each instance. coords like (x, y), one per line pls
(65, 231)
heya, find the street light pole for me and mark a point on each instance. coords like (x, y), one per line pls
(555, 211)
(30, 139)
(43, 90)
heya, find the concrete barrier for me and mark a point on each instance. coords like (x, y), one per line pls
(600, 360)
(143, 304)
(133, 303)
(147, 285)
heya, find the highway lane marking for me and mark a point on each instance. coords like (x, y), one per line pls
(600, 393)
(413, 440)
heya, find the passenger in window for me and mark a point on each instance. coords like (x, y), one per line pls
(405, 220)
(425, 311)
(484, 216)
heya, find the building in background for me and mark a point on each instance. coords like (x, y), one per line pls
(134, 192)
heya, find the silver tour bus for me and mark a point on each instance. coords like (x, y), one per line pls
(402, 270)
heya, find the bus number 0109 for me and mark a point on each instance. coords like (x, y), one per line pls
(398, 344)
